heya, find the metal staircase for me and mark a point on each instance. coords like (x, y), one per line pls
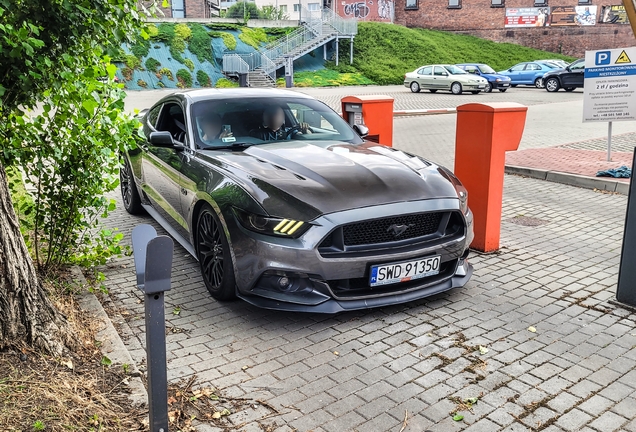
(317, 29)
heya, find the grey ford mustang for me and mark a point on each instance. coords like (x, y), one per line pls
(285, 206)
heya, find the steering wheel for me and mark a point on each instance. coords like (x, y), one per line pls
(292, 130)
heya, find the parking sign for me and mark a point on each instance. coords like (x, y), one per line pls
(610, 83)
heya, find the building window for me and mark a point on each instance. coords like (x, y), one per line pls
(296, 7)
(585, 2)
(497, 3)
(454, 4)
(540, 2)
(178, 8)
(313, 6)
(283, 8)
(411, 4)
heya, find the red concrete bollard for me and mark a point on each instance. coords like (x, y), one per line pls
(375, 112)
(484, 133)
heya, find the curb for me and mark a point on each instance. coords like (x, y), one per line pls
(600, 183)
(111, 344)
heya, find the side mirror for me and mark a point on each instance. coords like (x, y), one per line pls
(361, 130)
(163, 139)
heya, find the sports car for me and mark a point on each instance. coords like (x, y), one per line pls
(287, 207)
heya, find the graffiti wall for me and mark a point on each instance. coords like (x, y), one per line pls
(367, 10)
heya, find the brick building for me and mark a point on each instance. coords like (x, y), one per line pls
(191, 9)
(567, 26)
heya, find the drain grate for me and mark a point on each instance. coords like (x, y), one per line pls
(527, 221)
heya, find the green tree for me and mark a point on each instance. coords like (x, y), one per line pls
(271, 12)
(52, 53)
(244, 10)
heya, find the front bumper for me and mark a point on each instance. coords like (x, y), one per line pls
(500, 84)
(336, 281)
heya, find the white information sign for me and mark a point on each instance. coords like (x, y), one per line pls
(610, 83)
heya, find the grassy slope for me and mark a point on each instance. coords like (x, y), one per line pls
(383, 52)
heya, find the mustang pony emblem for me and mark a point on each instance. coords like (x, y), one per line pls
(398, 230)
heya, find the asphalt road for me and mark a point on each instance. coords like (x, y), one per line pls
(552, 119)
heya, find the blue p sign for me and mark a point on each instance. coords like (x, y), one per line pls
(602, 58)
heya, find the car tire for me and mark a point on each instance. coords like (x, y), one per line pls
(503, 90)
(552, 85)
(432, 90)
(213, 253)
(129, 193)
(569, 89)
(456, 88)
(538, 83)
(488, 88)
(415, 87)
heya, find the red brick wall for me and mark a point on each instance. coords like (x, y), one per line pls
(476, 17)
(195, 8)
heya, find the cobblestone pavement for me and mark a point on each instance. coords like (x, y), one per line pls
(362, 371)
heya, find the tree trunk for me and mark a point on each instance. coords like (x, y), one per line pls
(27, 315)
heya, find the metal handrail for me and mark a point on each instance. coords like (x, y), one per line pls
(272, 57)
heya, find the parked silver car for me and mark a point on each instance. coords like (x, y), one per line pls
(444, 77)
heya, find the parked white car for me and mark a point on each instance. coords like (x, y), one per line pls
(444, 77)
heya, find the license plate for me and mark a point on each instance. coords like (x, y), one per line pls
(386, 274)
(482, 85)
(504, 85)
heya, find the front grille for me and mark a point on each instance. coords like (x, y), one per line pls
(391, 229)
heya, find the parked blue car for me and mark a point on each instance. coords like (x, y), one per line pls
(528, 73)
(495, 81)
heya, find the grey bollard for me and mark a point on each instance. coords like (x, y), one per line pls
(626, 289)
(153, 266)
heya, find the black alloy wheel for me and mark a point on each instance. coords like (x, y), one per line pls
(213, 252)
(129, 193)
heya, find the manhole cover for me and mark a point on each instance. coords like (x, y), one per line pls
(527, 221)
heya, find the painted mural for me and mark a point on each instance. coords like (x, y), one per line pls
(367, 10)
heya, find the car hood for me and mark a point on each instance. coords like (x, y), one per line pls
(304, 179)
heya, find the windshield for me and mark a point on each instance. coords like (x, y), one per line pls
(224, 122)
(454, 70)
(486, 69)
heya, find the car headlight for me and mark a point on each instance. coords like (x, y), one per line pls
(498, 80)
(273, 226)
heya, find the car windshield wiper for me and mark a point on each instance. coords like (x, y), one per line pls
(240, 146)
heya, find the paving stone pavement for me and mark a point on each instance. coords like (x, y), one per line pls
(362, 371)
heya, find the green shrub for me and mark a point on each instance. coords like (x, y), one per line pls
(326, 78)
(152, 64)
(177, 47)
(225, 83)
(253, 36)
(200, 44)
(184, 78)
(160, 84)
(203, 79)
(183, 31)
(189, 64)
(132, 61)
(223, 26)
(141, 48)
(152, 31)
(127, 73)
(228, 39)
(167, 73)
(142, 83)
(165, 33)
(250, 11)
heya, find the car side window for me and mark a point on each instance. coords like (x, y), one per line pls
(153, 115)
(425, 70)
(578, 66)
(517, 68)
(439, 71)
(533, 66)
(172, 120)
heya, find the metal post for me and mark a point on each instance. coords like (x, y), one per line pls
(351, 51)
(626, 289)
(153, 265)
(324, 51)
(337, 49)
(609, 141)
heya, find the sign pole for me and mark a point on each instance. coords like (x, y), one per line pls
(630, 9)
(609, 141)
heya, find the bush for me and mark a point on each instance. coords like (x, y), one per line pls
(237, 11)
(152, 31)
(152, 64)
(177, 47)
(228, 39)
(127, 73)
(225, 83)
(326, 78)
(253, 36)
(141, 48)
(132, 61)
(160, 84)
(184, 78)
(223, 26)
(183, 31)
(200, 44)
(167, 73)
(165, 33)
(203, 79)
(142, 83)
(189, 64)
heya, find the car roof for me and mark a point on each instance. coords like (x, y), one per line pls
(197, 95)
(471, 64)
